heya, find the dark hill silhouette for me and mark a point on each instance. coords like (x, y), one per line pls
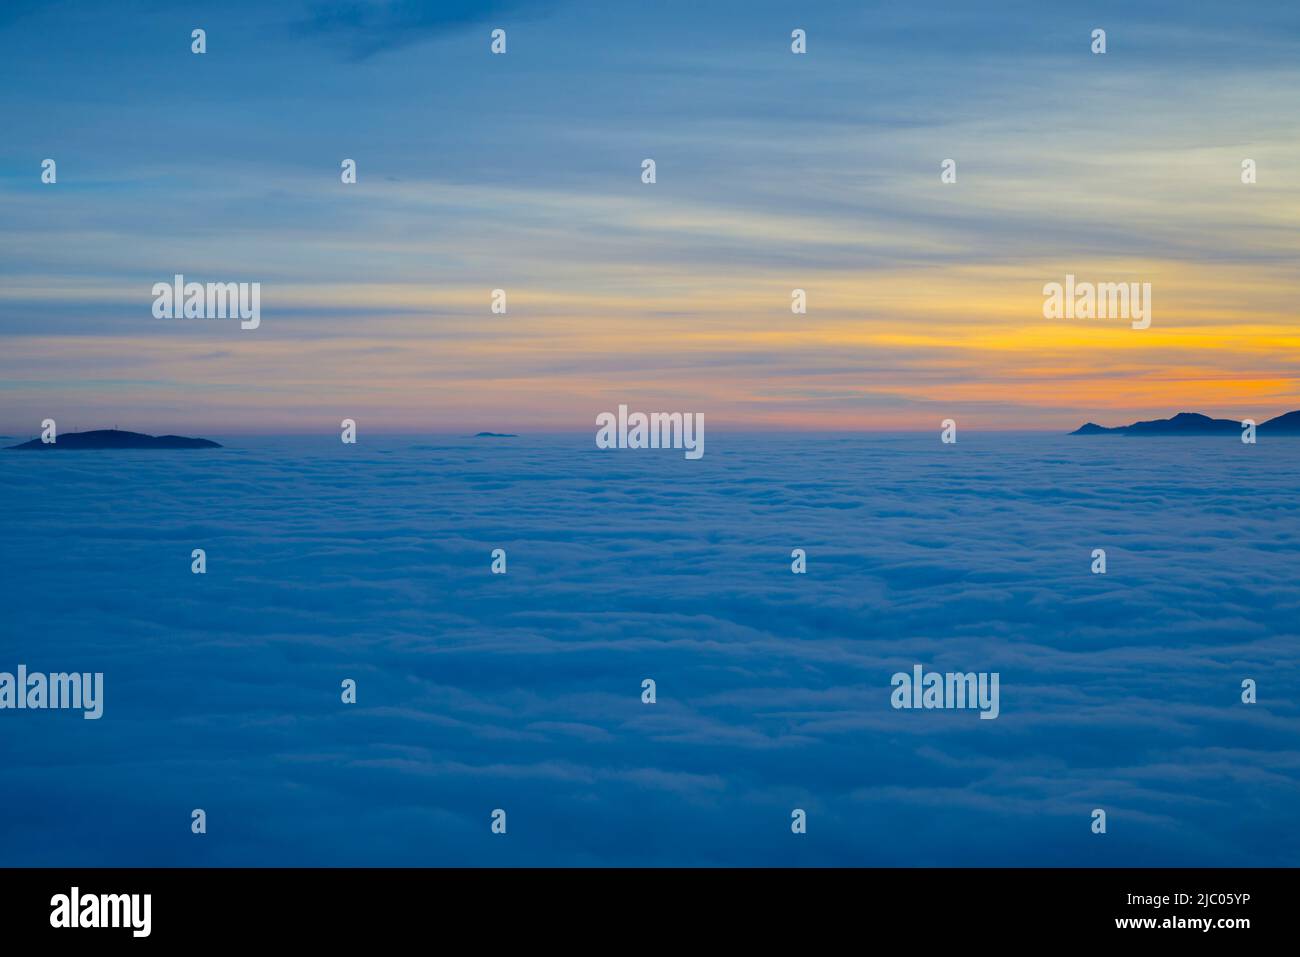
(1185, 423)
(495, 435)
(1092, 428)
(118, 439)
(1193, 423)
(1286, 424)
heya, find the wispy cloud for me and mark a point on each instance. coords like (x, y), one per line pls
(366, 27)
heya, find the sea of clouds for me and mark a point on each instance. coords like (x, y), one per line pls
(523, 692)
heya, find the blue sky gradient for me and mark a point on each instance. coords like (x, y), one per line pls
(521, 172)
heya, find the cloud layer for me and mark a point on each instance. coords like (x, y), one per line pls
(522, 691)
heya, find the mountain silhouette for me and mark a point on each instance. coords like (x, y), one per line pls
(1194, 423)
(1287, 424)
(118, 439)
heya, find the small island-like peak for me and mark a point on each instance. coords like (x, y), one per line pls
(117, 439)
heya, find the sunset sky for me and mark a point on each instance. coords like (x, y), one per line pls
(775, 171)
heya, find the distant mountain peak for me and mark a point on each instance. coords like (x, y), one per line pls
(1091, 428)
(1194, 423)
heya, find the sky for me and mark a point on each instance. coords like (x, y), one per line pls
(522, 171)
